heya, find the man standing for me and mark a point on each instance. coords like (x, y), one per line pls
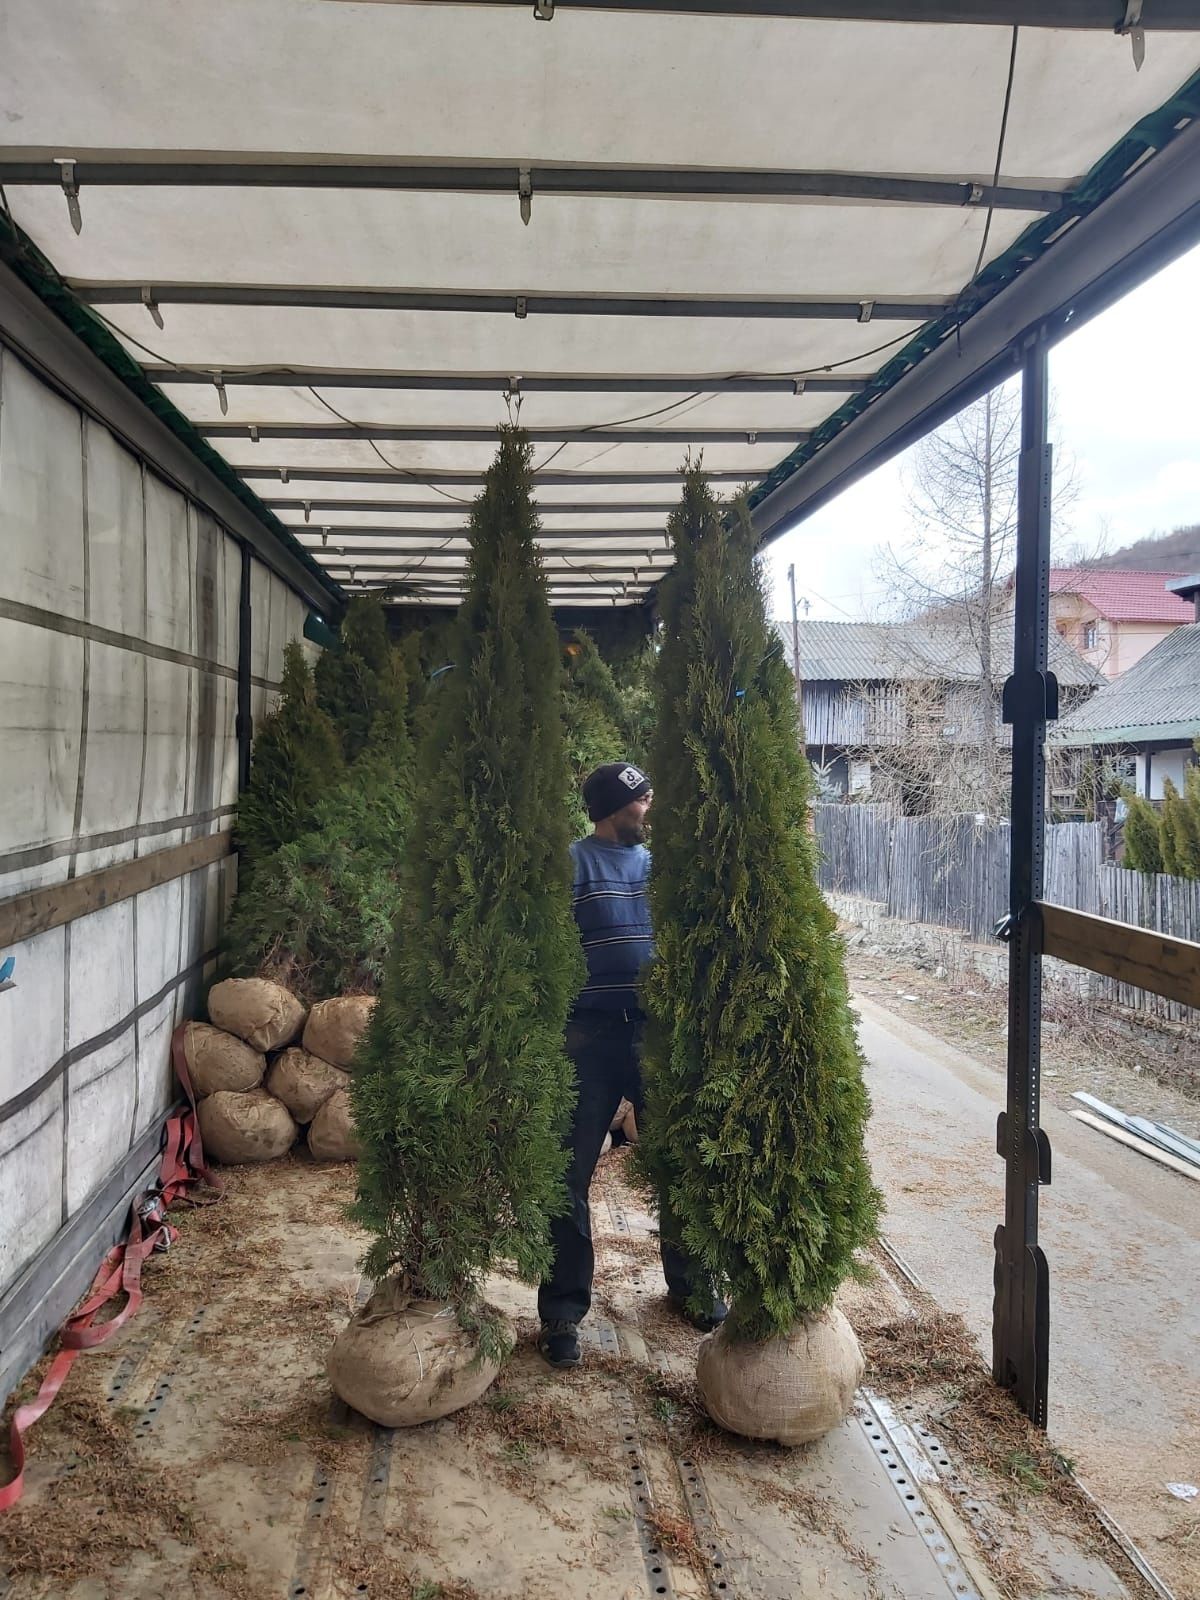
(604, 1040)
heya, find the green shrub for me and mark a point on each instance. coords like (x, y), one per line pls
(352, 676)
(296, 759)
(592, 717)
(756, 1102)
(1143, 852)
(322, 909)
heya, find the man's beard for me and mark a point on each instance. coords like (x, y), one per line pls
(629, 833)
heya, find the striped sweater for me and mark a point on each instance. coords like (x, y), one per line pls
(612, 908)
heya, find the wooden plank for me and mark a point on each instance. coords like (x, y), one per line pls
(1142, 1146)
(25, 915)
(1138, 956)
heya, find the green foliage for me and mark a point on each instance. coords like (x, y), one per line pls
(1143, 852)
(323, 907)
(463, 1089)
(356, 673)
(319, 909)
(1168, 829)
(1179, 828)
(592, 720)
(635, 684)
(296, 759)
(1167, 840)
(756, 1103)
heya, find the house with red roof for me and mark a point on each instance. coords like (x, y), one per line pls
(1113, 617)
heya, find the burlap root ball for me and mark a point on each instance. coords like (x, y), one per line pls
(246, 1127)
(304, 1082)
(331, 1136)
(265, 1014)
(401, 1362)
(792, 1388)
(335, 1027)
(218, 1060)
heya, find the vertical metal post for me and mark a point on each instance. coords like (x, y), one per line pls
(245, 723)
(1021, 1309)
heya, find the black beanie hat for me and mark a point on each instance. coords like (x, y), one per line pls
(611, 787)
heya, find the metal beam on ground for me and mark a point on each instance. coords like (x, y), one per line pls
(310, 297)
(1021, 1307)
(681, 437)
(243, 170)
(816, 382)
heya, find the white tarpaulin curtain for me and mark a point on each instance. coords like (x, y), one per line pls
(325, 81)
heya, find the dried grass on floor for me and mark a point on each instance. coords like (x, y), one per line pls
(535, 1422)
(678, 1537)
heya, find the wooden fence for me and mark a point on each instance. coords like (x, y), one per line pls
(953, 872)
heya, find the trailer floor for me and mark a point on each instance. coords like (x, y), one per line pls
(202, 1453)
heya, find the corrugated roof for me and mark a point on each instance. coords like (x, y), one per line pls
(871, 652)
(1158, 698)
(1124, 596)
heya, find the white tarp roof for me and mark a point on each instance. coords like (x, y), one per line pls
(326, 82)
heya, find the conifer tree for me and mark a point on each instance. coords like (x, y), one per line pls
(1179, 828)
(462, 1088)
(593, 717)
(635, 684)
(1188, 850)
(321, 917)
(296, 758)
(351, 676)
(1143, 852)
(1170, 831)
(756, 1105)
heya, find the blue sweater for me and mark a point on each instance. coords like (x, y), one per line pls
(612, 908)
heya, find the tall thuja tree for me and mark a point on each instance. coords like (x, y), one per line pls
(296, 758)
(593, 719)
(352, 675)
(756, 1104)
(1143, 849)
(462, 1089)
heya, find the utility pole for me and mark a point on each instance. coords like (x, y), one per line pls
(796, 645)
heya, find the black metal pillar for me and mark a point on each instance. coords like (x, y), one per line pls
(245, 722)
(1021, 1310)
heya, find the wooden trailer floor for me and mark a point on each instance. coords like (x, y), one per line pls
(203, 1454)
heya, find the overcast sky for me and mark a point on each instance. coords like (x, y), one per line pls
(1127, 410)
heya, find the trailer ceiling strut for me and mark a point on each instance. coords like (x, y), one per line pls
(315, 297)
(241, 170)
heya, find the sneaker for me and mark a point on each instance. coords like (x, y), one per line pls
(703, 1321)
(559, 1343)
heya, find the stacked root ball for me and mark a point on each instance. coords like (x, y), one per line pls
(264, 1069)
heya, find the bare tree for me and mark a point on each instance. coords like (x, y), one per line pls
(954, 575)
(928, 759)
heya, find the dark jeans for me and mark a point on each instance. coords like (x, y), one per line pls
(606, 1051)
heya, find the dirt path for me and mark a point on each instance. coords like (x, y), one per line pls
(1123, 1240)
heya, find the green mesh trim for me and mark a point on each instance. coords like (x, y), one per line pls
(1153, 132)
(22, 256)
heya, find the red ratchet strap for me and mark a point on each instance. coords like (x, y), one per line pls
(182, 1166)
